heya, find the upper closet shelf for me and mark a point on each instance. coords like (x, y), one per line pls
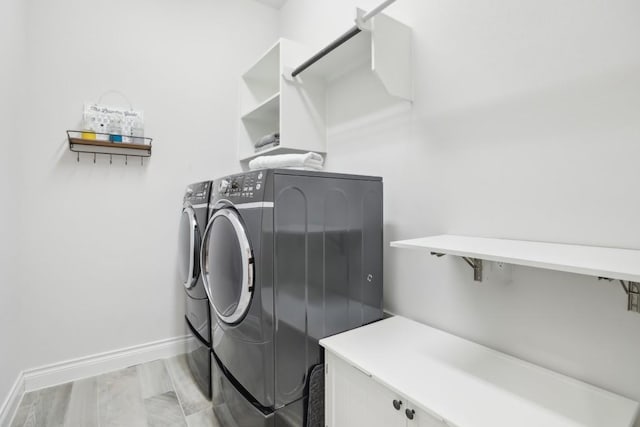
(377, 40)
(266, 68)
(601, 262)
(268, 110)
(269, 107)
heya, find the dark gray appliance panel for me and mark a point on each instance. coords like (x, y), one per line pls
(328, 268)
(197, 314)
(231, 407)
(199, 364)
(225, 266)
(246, 349)
(372, 244)
(196, 198)
(189, 253)
(185, 243)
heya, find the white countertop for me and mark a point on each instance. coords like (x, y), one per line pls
(469, 385)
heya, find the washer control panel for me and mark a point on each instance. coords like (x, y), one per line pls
(197, 193)
(241, 188)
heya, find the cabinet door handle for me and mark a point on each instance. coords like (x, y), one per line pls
(397, 404)
(409, 413)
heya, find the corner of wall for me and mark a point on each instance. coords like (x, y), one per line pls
(12, 402)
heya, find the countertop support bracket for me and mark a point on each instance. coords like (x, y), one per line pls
(474, 263)
(477, 265)
(632, 289)
(633, 294)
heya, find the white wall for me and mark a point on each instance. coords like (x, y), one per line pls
(101, 239)
(526, 125)
(12, 48)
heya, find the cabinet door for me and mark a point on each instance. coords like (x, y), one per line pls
(421, 418)
(353, 399)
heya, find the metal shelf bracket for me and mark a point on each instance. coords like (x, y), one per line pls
(633, 295)
(632, 289)
(475, 263)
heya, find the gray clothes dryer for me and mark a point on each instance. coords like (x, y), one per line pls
(288, 257)
(197, 313)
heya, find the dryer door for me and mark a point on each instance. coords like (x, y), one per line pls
(227, 265)
(189, 244)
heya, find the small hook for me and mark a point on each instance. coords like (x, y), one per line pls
(94, 157)
(78, 157)
(126, 160)
(110, 159)
(141, 161)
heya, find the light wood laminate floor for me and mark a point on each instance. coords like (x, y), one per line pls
(155, 394)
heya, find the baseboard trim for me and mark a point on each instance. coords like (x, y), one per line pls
(89, 366)
(11, 403)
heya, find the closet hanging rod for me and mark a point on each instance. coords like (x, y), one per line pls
(376, 10)
(326, 50)
(355, 30)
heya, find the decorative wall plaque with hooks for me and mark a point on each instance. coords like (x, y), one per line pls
(82, 142)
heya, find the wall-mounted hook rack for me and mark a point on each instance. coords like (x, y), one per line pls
(79, 143)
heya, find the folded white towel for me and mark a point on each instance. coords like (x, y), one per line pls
(305, 168)
(308, 160)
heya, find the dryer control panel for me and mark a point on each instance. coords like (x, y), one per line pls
(241, 188)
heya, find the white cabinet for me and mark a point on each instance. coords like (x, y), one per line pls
(452, 382)
(354, 399)
(269, 104)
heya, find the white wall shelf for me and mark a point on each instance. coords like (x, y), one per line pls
(601, 262)
(450, 381)
(269, 104)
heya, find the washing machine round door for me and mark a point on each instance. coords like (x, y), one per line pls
(189, 244)
(227, 266)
